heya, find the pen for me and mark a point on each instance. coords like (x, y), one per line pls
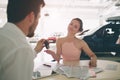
(47, 65)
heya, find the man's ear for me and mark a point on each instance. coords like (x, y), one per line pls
(31, 17)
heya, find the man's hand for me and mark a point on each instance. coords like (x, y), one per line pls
(39, 45)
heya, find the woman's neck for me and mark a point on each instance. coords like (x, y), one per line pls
(69, 36)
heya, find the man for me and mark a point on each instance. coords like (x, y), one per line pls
(16, 55)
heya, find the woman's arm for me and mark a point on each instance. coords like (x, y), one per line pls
(118, 40)
(93, 61)
(90, 53)
(56, 55)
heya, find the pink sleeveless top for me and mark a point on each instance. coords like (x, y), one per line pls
(70, 52)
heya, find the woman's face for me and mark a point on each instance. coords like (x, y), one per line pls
(74, 26)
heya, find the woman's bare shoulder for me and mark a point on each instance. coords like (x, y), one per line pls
(81, 41)
(61, 39)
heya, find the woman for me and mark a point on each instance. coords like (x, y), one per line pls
(70, 47)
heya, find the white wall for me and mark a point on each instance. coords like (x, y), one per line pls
(3, 16)
(58, 20)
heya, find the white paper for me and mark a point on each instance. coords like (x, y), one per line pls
(81, 72)
(42, 71)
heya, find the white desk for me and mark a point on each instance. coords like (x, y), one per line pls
(109, 73)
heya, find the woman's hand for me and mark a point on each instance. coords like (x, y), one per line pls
(52, 53)
(49, 51)
(92, 63)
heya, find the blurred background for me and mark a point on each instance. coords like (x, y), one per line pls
(57, 14)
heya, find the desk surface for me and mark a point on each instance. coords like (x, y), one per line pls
(111, 71)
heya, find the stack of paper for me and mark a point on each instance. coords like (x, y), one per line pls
(82, 72)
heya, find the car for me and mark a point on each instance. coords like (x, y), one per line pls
(52, 39)
(104, 39)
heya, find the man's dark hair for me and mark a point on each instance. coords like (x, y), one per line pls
(17, 10)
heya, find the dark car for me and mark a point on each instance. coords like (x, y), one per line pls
(104, 39)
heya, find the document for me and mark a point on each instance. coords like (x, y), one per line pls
(81, 72)
(111, 67)
(42, 71)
